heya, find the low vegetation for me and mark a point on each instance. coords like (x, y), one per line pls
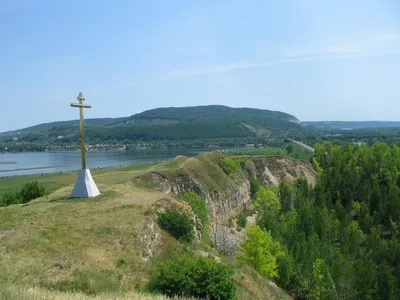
(291, 150)
(199, 207)
(241, 220)
(16, 292)
(30, 191)
(230, 165)
(202, 278)
(177, 223)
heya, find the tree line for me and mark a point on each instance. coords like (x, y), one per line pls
(339, 239)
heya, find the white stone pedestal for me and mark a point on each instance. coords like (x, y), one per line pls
(85, 187)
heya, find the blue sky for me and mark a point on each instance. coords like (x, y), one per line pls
(318, 60)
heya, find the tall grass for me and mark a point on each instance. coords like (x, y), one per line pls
(15, 292)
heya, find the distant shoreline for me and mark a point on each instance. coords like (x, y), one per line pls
(112, 149)
(27, 169)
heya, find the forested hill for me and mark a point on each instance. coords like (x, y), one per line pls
(168, 115)
(204, 123)
(203, 113)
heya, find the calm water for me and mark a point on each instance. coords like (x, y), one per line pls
(68, 161)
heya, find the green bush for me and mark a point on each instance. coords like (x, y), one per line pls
(255, 185)
(242, 220)
(10, 198)
(32, 190)
(199, 207)
(187, 276)
(229, 165)
(178, 224)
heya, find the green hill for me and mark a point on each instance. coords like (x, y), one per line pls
(210, 124)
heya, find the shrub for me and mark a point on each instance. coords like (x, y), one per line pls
(32, 190)
(201, 278)
(178, 224)
(242, 220)
(10, 198)
(199, 207)
(229, 165)
(255, 185)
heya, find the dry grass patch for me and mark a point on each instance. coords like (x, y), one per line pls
(14, 292)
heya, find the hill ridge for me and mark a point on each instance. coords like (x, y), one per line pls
(181, 114)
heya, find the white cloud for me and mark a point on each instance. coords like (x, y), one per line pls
(346, 45)
(339, 48)
(342, 48)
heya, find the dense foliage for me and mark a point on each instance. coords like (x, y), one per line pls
(202, 278)
(199, 207)
(242, 220)
(10, 198)
(177, 223)
(340, 239)
(30, 191)
(230, 165)
(260, 251)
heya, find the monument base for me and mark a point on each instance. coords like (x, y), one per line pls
(84, 187)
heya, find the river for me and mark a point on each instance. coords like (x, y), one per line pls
(48, 162)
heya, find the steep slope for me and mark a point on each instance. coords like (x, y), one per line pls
(226, 194)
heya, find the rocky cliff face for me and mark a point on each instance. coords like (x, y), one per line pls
(226, 196)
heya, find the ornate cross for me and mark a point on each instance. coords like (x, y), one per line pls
(82, 125)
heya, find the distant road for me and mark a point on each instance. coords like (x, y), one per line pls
(301, 144)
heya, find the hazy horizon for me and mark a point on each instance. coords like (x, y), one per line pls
(319, 61)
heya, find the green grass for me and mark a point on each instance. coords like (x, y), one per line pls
(298, 152)
(54, 181)
(19, 292)
(267, 151)
(51, 181)
(60, 248)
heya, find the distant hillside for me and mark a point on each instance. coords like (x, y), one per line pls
(173, 115)
(205, 113)
(352, 124)
(215, 124)
(46, 126)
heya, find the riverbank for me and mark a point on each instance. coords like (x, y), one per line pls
(62, 161)
(28, 169)
(54, 181)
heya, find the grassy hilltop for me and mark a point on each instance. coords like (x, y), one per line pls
(57, 248)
